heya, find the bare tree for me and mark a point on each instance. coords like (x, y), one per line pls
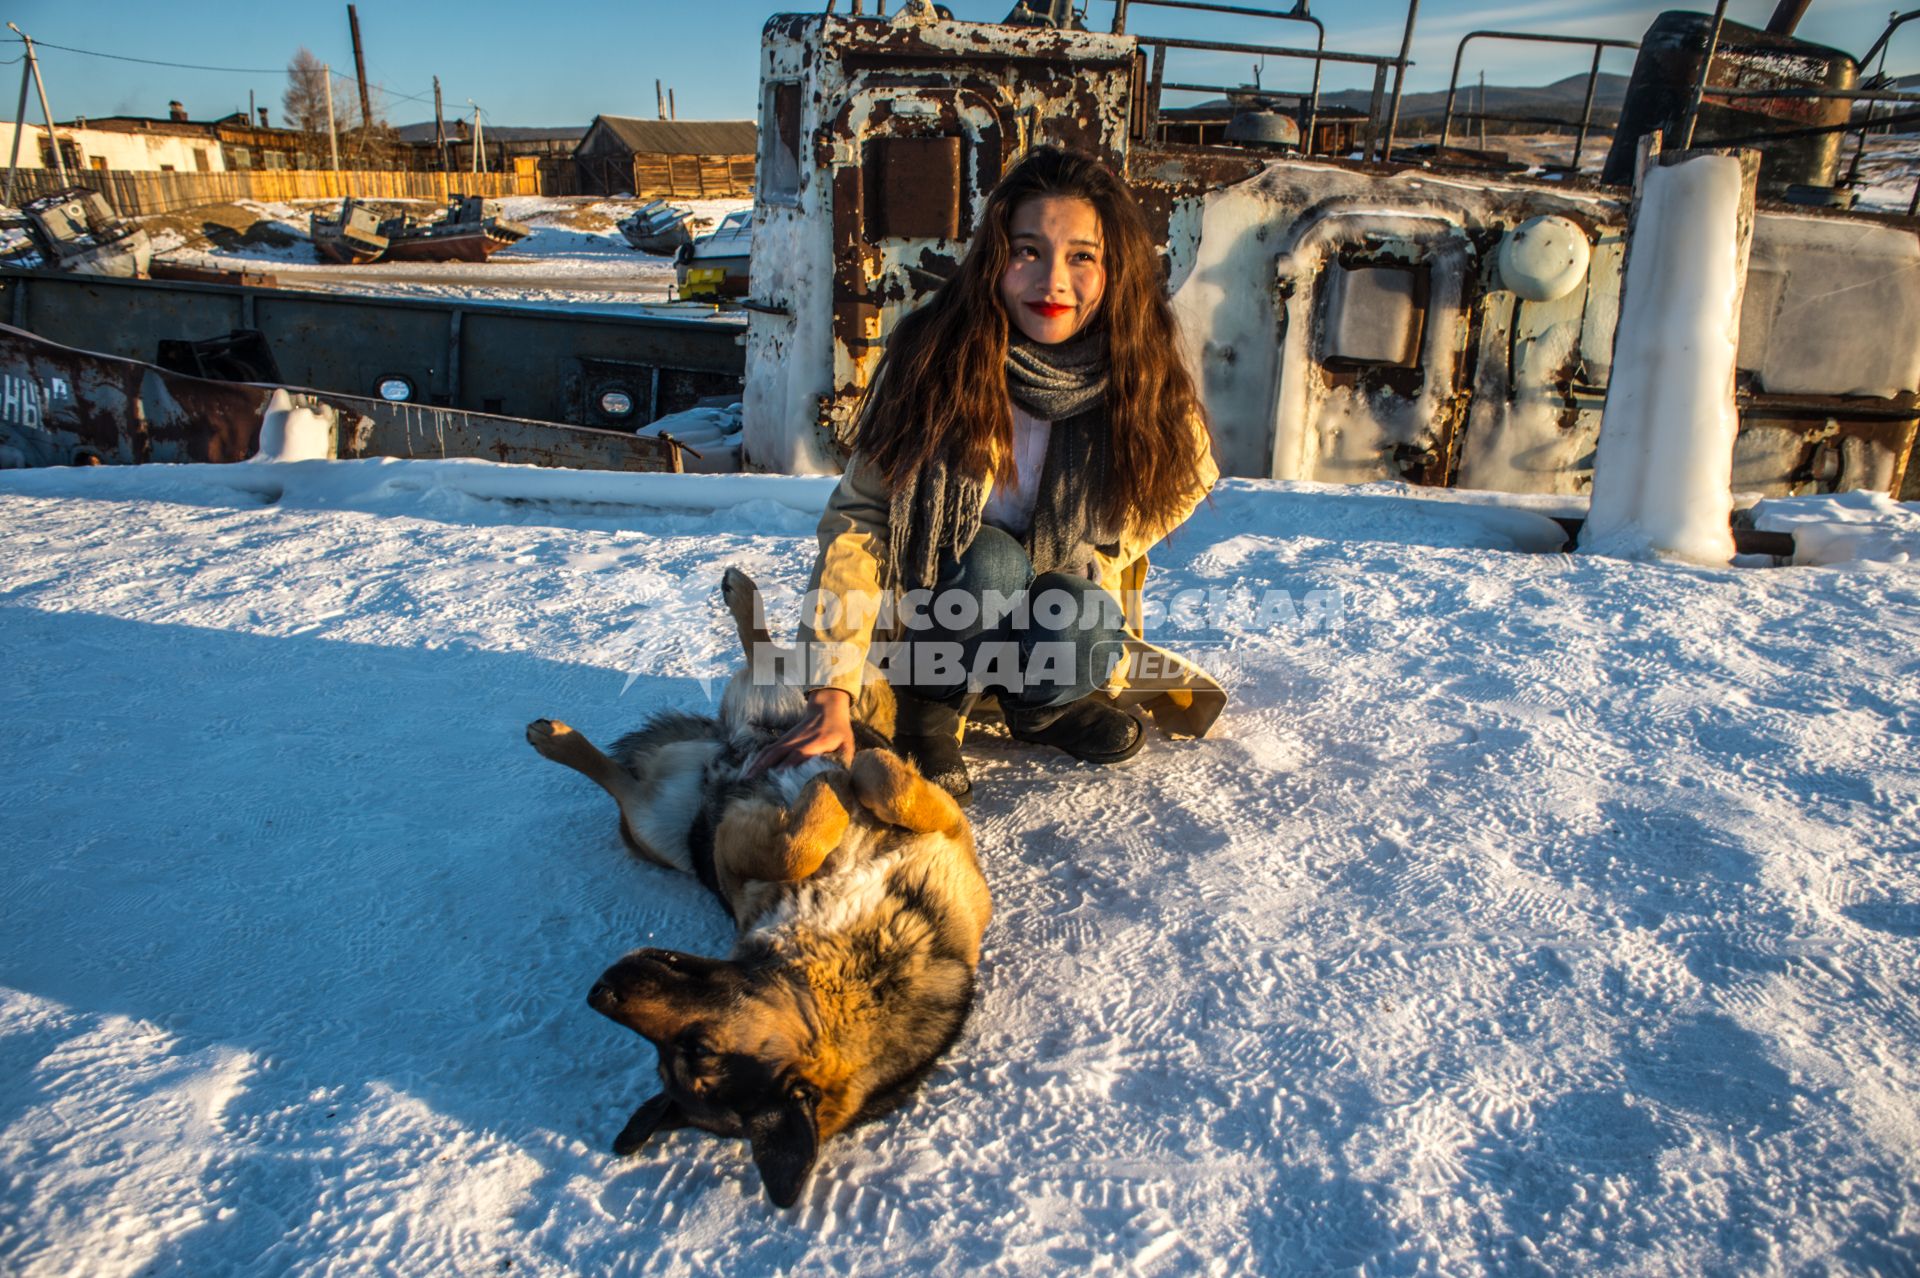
(363, 144)
(304, 105)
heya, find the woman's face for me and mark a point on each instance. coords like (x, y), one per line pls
(1058, 271)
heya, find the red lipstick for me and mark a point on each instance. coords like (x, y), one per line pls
(1049, 309)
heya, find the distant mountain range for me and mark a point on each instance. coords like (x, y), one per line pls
(505, 133)
(1561, 99)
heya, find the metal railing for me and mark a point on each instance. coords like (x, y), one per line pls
(1319, 55)
(1896, 21)
(1586, 111)
(1297, 14)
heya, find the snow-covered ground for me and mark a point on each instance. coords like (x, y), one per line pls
(1526, 913)
(575, 256)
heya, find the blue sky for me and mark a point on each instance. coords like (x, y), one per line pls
(564, 61)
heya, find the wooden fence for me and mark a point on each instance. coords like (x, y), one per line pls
(137, 194)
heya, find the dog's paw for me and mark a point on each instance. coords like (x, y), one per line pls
(891, 788)
(550, 736)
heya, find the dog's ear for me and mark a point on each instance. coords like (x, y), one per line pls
(786, 1141)
(659, 1113)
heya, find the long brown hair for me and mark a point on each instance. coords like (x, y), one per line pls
(941, 388)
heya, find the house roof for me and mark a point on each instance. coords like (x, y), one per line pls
(141, 124)
(683, 137)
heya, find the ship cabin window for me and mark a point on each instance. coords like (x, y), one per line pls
(779, 167)
(1375, 315)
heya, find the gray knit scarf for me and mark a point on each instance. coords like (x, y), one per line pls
(937, 511)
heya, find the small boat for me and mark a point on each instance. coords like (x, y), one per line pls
(76, 230)
(716, 263)
(657, 227)
(472, 230)
(352, 239)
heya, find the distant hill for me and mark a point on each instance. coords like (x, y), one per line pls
(1561, 99)
(505, 133)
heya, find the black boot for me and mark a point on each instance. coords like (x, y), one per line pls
(1091, 729)
(928, 734)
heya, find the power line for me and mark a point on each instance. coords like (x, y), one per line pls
(155, 62)
(194, 66)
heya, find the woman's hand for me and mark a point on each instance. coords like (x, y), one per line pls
(826, 729)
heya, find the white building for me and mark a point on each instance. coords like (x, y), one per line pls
(126, 143)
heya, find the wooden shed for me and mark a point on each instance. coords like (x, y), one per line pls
(684, 159)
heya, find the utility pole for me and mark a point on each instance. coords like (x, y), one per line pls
(19, 126)
(333, 134)
(479, 143)
(439, 128)
(660, 100)
(360, 69)
(46, 112)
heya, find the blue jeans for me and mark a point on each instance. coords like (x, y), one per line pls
(990, 625)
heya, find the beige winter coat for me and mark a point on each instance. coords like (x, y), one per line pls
(853, 546)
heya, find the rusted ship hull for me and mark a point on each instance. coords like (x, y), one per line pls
(65, 407)
(331, 248)
(468, 244)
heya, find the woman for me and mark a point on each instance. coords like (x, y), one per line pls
(1030, 432)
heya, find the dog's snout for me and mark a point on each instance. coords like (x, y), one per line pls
(601, 996)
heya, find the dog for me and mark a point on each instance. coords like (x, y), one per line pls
(859, 902)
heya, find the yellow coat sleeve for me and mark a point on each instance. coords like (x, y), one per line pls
(843, 598)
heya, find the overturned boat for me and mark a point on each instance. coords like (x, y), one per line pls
(716, 264)
(471, 230)
(76, 230)
(351, 239)
(68, 407)
(657, 227)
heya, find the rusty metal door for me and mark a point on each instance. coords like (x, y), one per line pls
(910, 168)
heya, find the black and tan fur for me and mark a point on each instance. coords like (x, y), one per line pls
(860, 906)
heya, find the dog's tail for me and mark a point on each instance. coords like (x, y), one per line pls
(742, 598)
(874, 706)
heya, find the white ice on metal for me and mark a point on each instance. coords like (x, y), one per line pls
(1662, 476)
(1831, 308)
(1844, 528)
(712, 437)
(1272, 409)
(1341, 433)
(293, 433)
